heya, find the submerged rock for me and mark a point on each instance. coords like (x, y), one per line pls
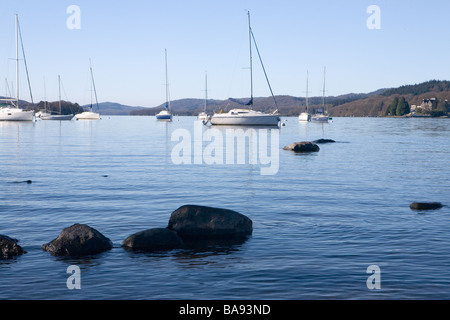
(199, 222)
(425, 205)
(78, 240)
(301, 147)
(9, 247)
(156, 239)
(319, 141)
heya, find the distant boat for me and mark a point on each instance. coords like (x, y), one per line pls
(60, 116)
(165, 114)
(305, 116)
(90, 114)
(203, 116)
(14, 113)
(248, 117)
(321, 115)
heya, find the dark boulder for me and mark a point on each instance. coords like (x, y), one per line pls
(302, 147)
(425, 205)
(199, 222)
(156, 239)
(319, 141)
(78, 240)
(9, 248)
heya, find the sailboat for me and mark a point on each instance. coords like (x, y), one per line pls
(43, 113)
(90, 114)
(305, 116)
(59, 116)
(165, 114)
(321, 116)
(14, 113)
(203, 116)
(247, 117)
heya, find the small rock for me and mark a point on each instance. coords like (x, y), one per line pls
(425, 205)
(199, 222)
(319, 141)
(301, 147)
(9, 247)
(78, 240)
(157, 239)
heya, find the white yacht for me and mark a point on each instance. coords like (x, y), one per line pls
(60, 116)
(245, 117)
(321, 115)
(13, 112)
(165, 114)
(305, 116)
(90, 114)
(248, 117)
(8, 113)
(203, 116)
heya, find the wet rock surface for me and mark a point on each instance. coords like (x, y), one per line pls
(78, 240)
(194, 222)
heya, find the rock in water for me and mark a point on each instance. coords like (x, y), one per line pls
(9, 247)
(425, 205)
(323, 141)
(156, 239)
(302, 147)
(78, 240)
(199, 222)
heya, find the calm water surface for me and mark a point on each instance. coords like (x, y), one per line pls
(318, 223)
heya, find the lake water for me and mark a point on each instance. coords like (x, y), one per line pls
(319, 222)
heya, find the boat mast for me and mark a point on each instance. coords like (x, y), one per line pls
(323, 94)
(45, 97)
(167, 83)
(307, 102)
(206, 89)
(93, 86)
(17, 61)
(59, 86)
(251, 62)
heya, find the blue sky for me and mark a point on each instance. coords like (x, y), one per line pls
(126, 41)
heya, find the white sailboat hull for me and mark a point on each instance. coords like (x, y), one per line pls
(320, 118)
(88, 115)
(14, 114)
(304, 116)
(164, 115)
(245, 118)
(202, 116)
(57, 117)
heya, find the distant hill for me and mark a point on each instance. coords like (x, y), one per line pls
(286, 105)
(377, 104)
(373, 104)
(112, 108)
